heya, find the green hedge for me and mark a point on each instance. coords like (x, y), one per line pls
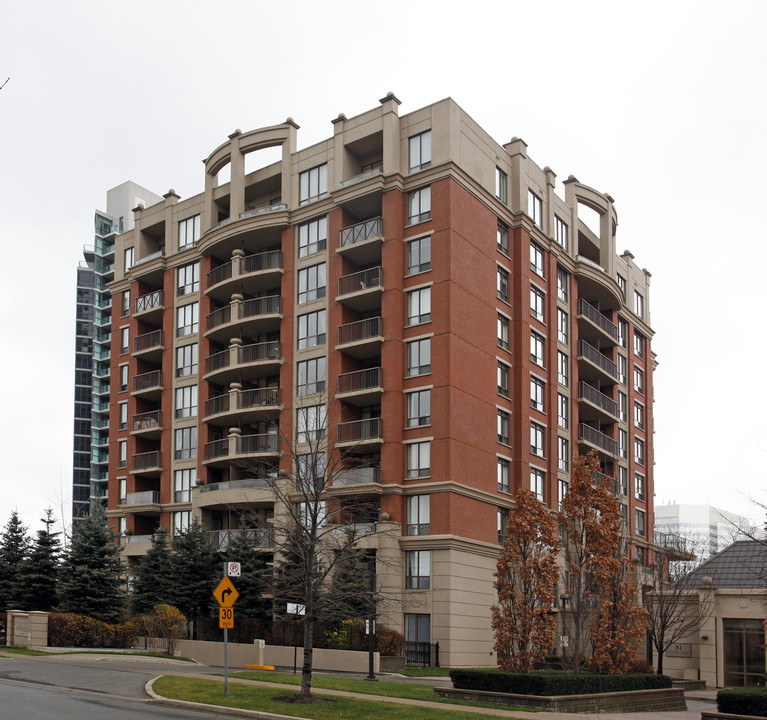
(70, 630)
(551, 682)
(742, 701)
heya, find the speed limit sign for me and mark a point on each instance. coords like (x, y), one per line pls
(233, 569)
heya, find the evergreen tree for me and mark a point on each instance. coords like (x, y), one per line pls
(14, 544)
(153, 584)
(91, 578)
(36, 581)
(251, 585)
(195, 570)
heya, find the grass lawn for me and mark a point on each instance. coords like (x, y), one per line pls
(27, 651)
(250, 697)
(22, 651)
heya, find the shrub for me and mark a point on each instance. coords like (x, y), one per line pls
(70, 630)
(548, 682)
(166, 623)
(742, 701)
(390, 642)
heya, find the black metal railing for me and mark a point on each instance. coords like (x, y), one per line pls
(362, 231)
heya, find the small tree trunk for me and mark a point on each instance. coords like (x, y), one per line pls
(660, 661)
(306, 670)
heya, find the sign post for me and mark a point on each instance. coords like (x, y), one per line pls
(226, 595)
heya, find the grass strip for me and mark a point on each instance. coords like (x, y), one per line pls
(252, 697)
(417, 672)
(22, 651)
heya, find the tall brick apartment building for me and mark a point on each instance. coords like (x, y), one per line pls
(467, 330)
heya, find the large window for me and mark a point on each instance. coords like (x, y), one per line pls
(312, 282)
(419, 357)
(503, 427)
(502, 238)
(420, 151)
(312, 375)
(417, 569)
(419, 306)
(638, 451)
(537, 298)
(417, 628)
(622, 332)
(503, 525)
(418, 512)
(419, 205)
(623, 481)
(418, 459)
(312, 236)
(638, 304)
(536, 348)
(563, 454)
(563, 326)
(186, 443)
(537, 392)
(639, 486)
(536, 259)
(621, 283)
(124, 340)
(188, 232)
(503, 284)
(639, 516)
(562, 487)
(503, 379)
(621, 369)
(503, 474)
(181, 522)
(187, 319)
(123, 378)
(638, 379)
(537, 482)
(419, 255)
(186, 360)
(183, 482)
(743, 652)
(535, 208)
(123, 415)
(418, 408)
(638, 415)
(311, 423)
(501, 184)
(186, 401)
(623, 406)
(537, 439)
(311, 329)
(563, 284)
(623, 441)
(560, 232)
(563, 369)
(129, 256)
(313, 184)
(563, 411)
(122, 447)
(638, 344)
(503, 331)
(188, 279)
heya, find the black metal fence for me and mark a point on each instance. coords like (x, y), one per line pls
(421, 654)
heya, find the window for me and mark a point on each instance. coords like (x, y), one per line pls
(536, 258)
(622, 332)
(623, 405)
(502, 238)
(560, 232)
(503, 379)
(419, 205)
(123, 378)
(418, 515)
(503, 285)
(419, 306)
(623, 480)
(186, 360)
(123, 415)
(562, 368)
(503, 331)
(311, 423)
(418, 408)
(563, 284)
(639, 451)
(313, 184)
(183, 482)
(503, 427)
(638, 486)
(535, 208)
(420, 151)
(312, 282)
(537, 478)
(621, 283)
(417, 569)
(181, 522)
(640, 523)
(418, 459)
(122, 447)
(536, 303)
(639, 415)
(537, 439)
(623, 441)
(312, 236)
(563, 411)
(186, 443)
(536, 348)
(503, 525)
(638, 379)
(310, 471)
(624, 513)
(129, 256)
(501, 184)
(187, 319)
(188, 279)
(419, 357)
(126, 303)
(537, 391)
(621, 367)
(562, 487)
(124, 340)
(419, 255)
(188, 232)
(311, 329)
(417, 627)
(503, 475)
(312, 376)
(186, 401)
(123, 491)
(638, 344)
(563, 323)
(563, 454)
(638, 304)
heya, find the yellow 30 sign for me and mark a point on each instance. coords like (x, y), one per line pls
(225, 617)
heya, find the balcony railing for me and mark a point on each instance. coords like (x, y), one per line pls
(144, 461)
(357, 476)
(262, 537)
(360, 330)
(595, 437)
(587, 392)
(359, 380)
(612, 483)
(147, 380)
(149, 301)
(254, 307)
(219, 274)
(589, 311)
(271, 260)
(363, 280)
(244, 445)
(144, 498)
(147, 420)
(218, 317)
(670, 540)
(147, 341)
(362, 231)
(258, 397)
(359, 430)
(359, 178)
(262, 210)
(593, 355)
(137, 538)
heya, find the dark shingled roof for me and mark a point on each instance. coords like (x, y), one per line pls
(740, 566)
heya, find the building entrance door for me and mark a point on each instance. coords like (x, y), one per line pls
(743, 652)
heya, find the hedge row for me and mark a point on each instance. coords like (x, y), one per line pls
(547, 682)
(742, 701)
(70, 630)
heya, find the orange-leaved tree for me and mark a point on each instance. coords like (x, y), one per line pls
(526, 579)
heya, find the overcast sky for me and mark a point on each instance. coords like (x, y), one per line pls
(660, 104)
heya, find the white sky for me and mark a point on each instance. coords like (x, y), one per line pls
(660, 104)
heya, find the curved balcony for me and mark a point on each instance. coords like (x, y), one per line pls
(263, 448)
(594, 326)
(148, 385)
(148, 463)
(150, 307)
(148, 424)
(362, 290)
(244, 362)
(248, 274)
(225, 495)
(595, 405)
(594, 282)
(593, 438)
(361, 339)
(243, 405)
(359, 434)
(149, 346)
(255, 316)
(593, 365)
(362, 242)
(258, 228)
(361, 387)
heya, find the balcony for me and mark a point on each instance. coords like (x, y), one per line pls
(360, 433)
(150, 307)
(245, 405)
(255, 316)
(225, 495)
(148, 385)
(148, 463)
(362, 290)
(361, 339)
(595, 325)
(135, 545)
(593, 365)
(361, 243)
(608, 481)
(148, 424)
(361, 387)
(595, 405)
(247, 274)
(264, 447)
(260, 538)
(357, 476)
(596, 439)
(149, 345)
(144, 503)
(257, 228)
(244, 362)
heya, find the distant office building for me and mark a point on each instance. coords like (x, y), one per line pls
(706, 529)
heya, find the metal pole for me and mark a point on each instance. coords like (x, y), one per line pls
(226, 662)
(371, 618)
